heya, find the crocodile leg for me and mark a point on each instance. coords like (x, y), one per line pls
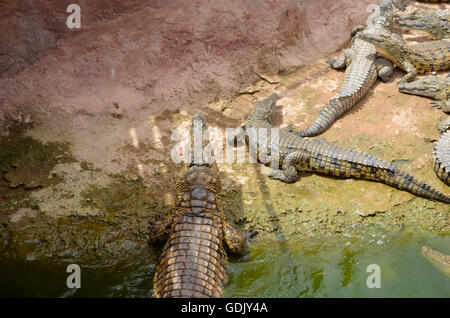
(411, 70)
(294, 162)
(234, 240)
(442, 104)
(385, 68)
(343, 60)
(160, 228)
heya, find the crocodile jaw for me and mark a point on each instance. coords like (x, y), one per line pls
(428, 87)
(415, 20)
(385, 45)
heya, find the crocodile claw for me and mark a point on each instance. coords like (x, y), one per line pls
(250, 234)
(442, 105)
(279, 175)
(436, 104)
(276, 174)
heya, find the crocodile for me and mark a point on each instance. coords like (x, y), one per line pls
(435, 22)
(194, 259)
(363, 65)
(434, 87)
(440, 260)
(296, 154)
(441, 151)
(416, 58)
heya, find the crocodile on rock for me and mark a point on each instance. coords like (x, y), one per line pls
(296, 154)
(194, 260)
(435, 22)
(363, 65)
(434, 87)
(441, 151)
(416, 58)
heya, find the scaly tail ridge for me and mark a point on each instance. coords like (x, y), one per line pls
(327, 116)
(403, 181)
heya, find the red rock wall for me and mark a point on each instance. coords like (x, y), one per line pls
(139, 53)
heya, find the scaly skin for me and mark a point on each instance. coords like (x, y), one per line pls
(441, 152)
(435, 22)
(439, 89)
(317, 155)
(399, 4)
(363, 66)
(434, 87)
(194, 260)
(413, 58)
(438, 259)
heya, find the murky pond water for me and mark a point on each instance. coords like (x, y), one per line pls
(295, 268)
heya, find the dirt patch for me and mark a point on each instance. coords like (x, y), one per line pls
(182, 54)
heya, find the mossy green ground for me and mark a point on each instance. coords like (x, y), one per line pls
(25, 164)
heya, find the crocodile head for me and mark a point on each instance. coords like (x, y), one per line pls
(442, 261)
(420, 20)
(198, 133)
(201, 170)
(265, 109)
(433, 86)
(388, 44)
(433, 21)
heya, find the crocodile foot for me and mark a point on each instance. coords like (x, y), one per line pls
(280, 175)
(250, 234)
(443, 105)
(337, 64)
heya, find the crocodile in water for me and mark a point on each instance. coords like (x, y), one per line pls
(194, 260)
(416, 58)
(439, 259)
(317, 155)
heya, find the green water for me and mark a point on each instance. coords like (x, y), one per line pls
(295, 268)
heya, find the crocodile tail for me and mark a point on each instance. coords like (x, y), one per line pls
(327, 116)
(324, 120)
(403, 181)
